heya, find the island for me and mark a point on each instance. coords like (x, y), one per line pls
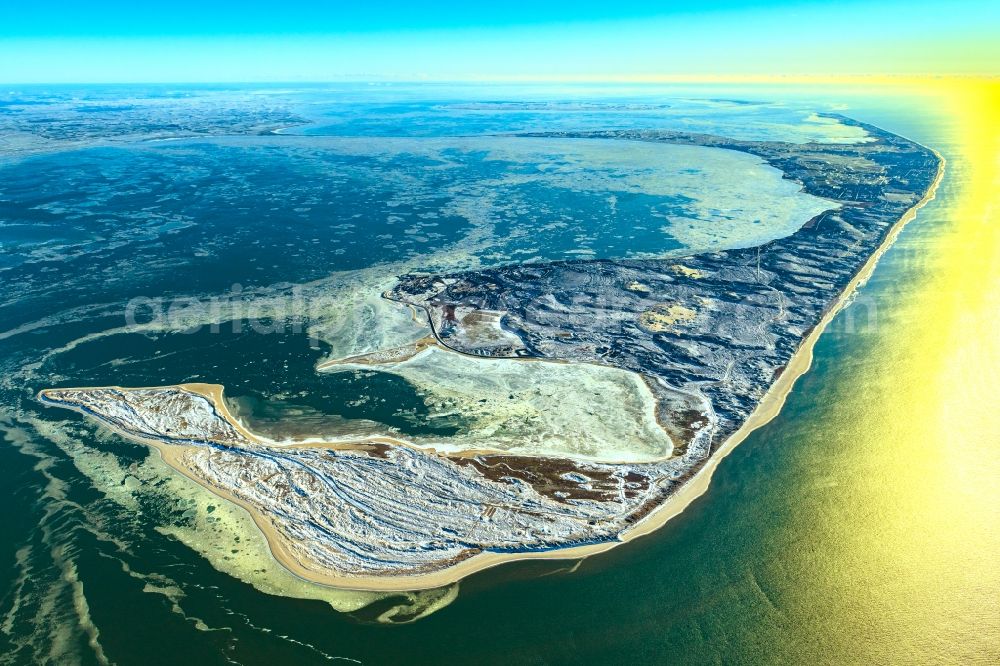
(715, 340)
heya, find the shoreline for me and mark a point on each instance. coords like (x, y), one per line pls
(767, 409)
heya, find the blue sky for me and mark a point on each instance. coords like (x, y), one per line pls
(252, 17)
(296, 41)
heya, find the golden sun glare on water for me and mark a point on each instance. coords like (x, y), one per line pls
(916, 530)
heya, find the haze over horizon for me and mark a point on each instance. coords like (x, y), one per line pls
(75, 42)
